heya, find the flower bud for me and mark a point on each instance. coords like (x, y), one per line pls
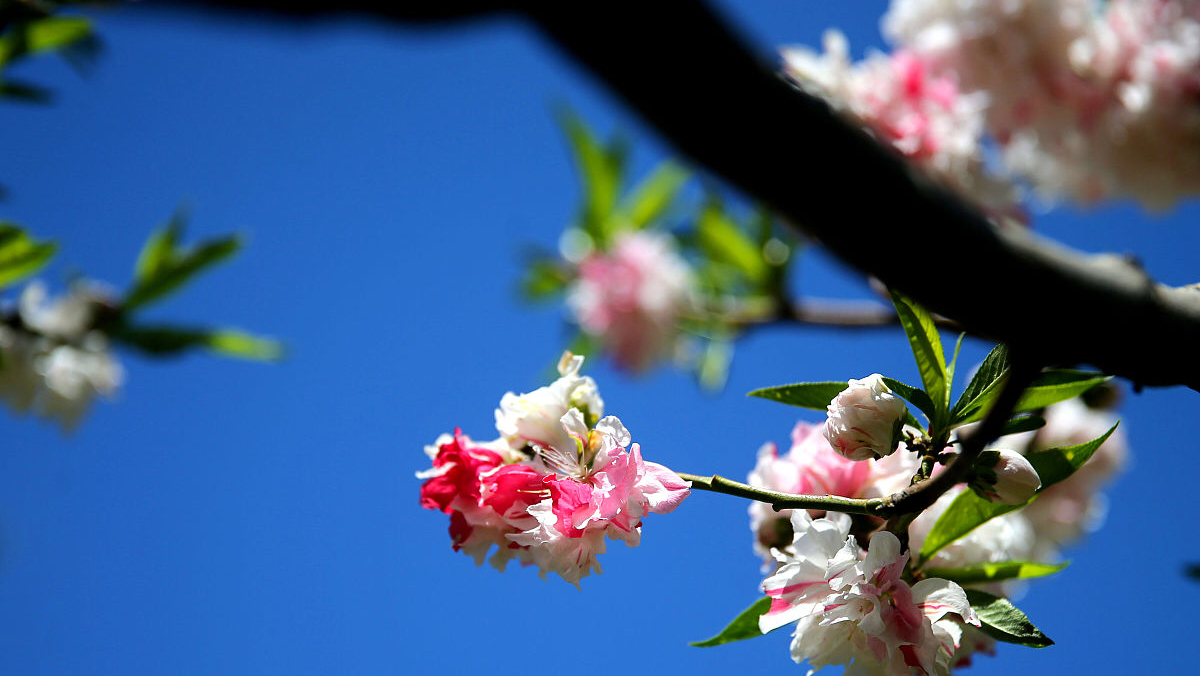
(865, 419)
(1005, 476)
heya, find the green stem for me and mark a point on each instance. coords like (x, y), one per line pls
(780, 500)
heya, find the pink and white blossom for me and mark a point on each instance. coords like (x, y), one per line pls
(921, 113)
(550, 498)
(633, 296)
(812, 467)
(1106, 102)
(865, 419)
(854, 608)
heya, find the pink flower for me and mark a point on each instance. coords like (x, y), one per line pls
(550, 499)
(633, 296)
(812, 467)
(865, 419)
(856, 608)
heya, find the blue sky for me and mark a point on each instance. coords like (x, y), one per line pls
(224, 517)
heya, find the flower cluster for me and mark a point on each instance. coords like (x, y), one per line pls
(52, 362)
(855, 608)
(1105, 104)
(556, 483)
(633, 296)
(920, 113)
(813, 467)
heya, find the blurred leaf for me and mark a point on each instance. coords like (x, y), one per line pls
(969, 511)
(25, 92)
(927, 350)
(653, 197)
(984, 386)
(43, 35)
(713, 368)
(742, 627)
(996, 572)
(723, 241)
(544, 279)
(163, 268)
(172, 340)
(1005, 622)
(916, 397)
(20, 255)
(601, 170)
(805, 395)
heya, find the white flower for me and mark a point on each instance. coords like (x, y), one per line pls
(865, 419)
(536, 417)
(55, 364)
(857, 610)
(1005, 476)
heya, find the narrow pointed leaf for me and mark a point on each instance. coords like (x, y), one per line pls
(996, 572)
(969, 511)
(654, 196)
(914, 396)
(1057, 385)
(805, 395)
(926, 346)
(985, 384)
(600, 170)
(1005, 622)
(180, 270)
(159, 250)
(742, 627)
(43, 35)
(725, 242)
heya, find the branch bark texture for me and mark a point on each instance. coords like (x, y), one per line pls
(678, 65)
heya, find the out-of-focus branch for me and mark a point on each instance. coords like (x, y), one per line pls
(680, 67)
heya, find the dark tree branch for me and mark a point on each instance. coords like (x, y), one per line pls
(678, 65)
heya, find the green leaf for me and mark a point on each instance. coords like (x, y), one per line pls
(1020, 424)
(916, 397)
(1003, 621)
(654, 196)
(742, 627)
(25, 92)
(172, 340)
(170, 275)
(159, 250)
(952, 365)
(996, 572)
(712, 370)
(927, 350)
(21, 255)
(984, 386)
(805, 395)
(723, 241)
(544, 279)
(601, 170)
(43, 35)
(1056, 464)
(1057, 385)
(969, 511)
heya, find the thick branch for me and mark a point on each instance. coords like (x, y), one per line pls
(679, 66)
